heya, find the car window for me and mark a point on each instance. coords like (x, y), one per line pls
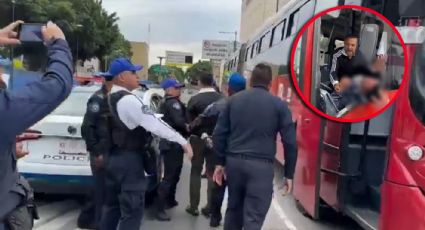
(74, 105)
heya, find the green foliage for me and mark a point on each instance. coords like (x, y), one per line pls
(98, 36)
(177, 73)
(194, 71)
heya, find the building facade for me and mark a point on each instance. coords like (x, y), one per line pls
(255, 13)
(140, 56)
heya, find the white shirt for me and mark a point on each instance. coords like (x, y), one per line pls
(207, 90)
(133, 113)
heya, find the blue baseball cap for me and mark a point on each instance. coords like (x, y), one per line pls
(168, 83)
(237, 82)
(120, 65)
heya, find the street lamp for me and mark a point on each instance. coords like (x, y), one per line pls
(236, 37)
(160, 60)
(78, 26)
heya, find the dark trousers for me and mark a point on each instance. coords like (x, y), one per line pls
(7, 205)
(201, 154)
(173, 163)
(92, 211)
(250, 185)
(125, 191)
(217, 197)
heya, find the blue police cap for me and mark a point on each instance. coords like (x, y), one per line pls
(237, 82)
(171, 83)
(120, 65)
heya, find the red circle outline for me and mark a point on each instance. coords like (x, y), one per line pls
(294, 78)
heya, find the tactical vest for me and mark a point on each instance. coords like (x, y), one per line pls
(123, 138)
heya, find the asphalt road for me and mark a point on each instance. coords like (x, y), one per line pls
(61, 212)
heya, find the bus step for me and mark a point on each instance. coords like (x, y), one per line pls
(364, 216)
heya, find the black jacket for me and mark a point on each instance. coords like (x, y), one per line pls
(342, 65)
(249, 125)
(197, 105)
(174, 114)
(95, 128)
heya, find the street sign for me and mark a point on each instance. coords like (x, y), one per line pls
(178, 58)
(217, 49)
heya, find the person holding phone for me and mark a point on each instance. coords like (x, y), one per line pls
(21, 109)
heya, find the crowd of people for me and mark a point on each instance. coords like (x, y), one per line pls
(234, 136)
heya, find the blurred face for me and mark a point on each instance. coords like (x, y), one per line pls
(174, 92)
(369, 84)
(344, 83)
(350, 46)
(128, 79)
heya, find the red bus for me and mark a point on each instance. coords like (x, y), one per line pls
(372, 171)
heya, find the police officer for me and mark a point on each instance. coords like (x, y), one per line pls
(245, 139)
(131, 122)
(174, 115)
(236, 84)
(21, 109)
(196, 105)
(95, 132)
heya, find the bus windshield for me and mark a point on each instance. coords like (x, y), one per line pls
(417, 84)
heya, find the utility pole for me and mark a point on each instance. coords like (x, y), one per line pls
(160, 68)
(78, 26)
(236, 38)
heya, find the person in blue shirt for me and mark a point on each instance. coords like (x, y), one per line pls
(21, 109)
(236, 84)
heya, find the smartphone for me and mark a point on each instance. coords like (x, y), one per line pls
(30, 33)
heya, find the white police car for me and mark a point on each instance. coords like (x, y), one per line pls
(58, 161)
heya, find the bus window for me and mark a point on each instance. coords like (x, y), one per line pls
(292, 27)
(247, 53)
(278, 33)
(254, 49)
(417, 84)
(265, 42)
(298, 62)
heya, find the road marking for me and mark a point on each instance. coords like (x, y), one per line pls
(283, 216)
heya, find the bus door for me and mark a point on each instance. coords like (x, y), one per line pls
(403, 193)
(309, 129)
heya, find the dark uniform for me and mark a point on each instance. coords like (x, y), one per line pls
(201, 153)
(96, 133)
(21, 109)
(245, 138)
(174, 115)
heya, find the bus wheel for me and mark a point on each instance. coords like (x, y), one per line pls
(301, 209)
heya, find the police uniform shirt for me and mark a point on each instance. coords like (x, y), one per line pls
(133, 113)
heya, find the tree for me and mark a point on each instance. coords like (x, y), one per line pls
(177, 73)
(157, 73)
(194, 71)
(98, 36)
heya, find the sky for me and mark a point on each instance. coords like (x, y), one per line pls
(176, 25)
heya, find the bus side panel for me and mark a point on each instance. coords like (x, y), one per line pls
(309, 128)
(402, 207)
(330, 160)
(282, 88)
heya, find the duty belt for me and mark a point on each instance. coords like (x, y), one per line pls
(251, 158)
